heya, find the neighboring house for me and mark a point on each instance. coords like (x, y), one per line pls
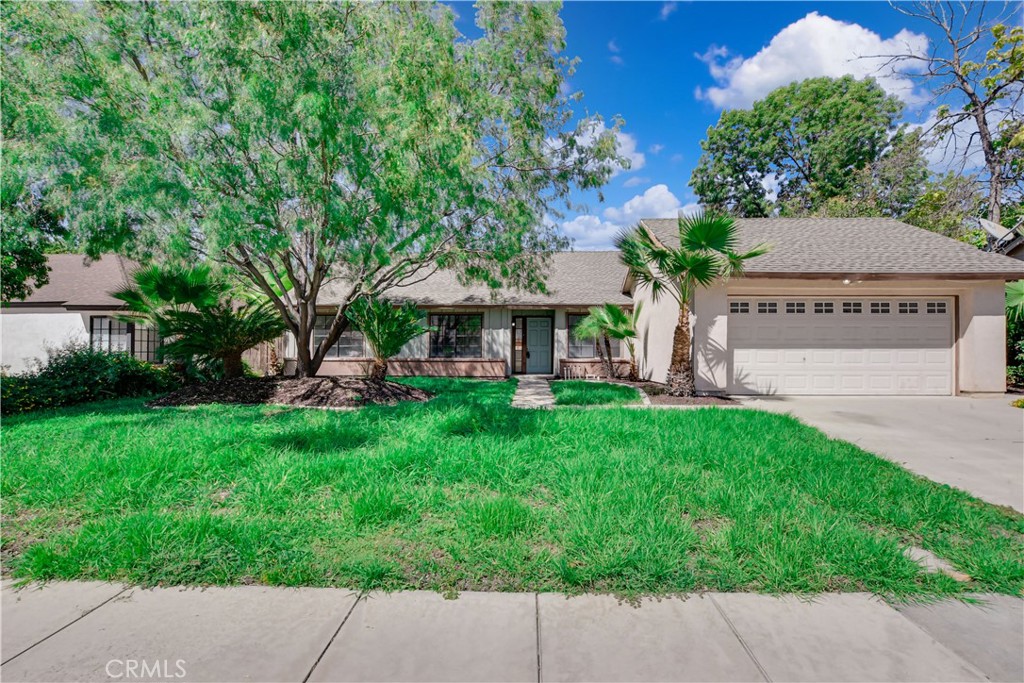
(477, 332)
(75, 306)
(838, 306)
(842, 306)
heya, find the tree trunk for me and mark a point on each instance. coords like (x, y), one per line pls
(379, 371)
(680, 370)
(233, 366)
(609, 361)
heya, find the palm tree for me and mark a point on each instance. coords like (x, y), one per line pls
(706, 254)
(191, 309)
(1015, 301)
(387, 328)
(615, 322)
(591, 327)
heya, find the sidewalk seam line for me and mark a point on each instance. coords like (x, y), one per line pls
(70, 623)
(743, 643)
(934, 638)
(333, 636)
(536, 612)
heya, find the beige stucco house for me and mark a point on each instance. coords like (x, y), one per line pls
(838, 306)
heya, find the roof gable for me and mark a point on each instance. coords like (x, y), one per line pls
(80, 282)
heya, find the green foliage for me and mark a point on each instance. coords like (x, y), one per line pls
(946, 204)
(192, 311)
(387, 328)
(707, 253)
(812, 138)
(308, 143)
(79, 374)
(585, 393)
(467, 493)
(1015, 332)
(613, 322)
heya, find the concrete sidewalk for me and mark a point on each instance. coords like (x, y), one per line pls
(100, 632)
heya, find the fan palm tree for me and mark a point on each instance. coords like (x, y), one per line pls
(191, 309)
(615, 322)
(1015, 301)
(387, 328)
(706, 254)
(591, 327)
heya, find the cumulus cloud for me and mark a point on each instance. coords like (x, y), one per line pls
(655, 148)
(625, 145)
(814, 46)
(667, 8)
(597, 232)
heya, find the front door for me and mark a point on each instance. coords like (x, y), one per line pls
(538, 345)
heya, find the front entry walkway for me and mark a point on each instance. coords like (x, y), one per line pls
(533, 391)
(974, 444)
(103, 632)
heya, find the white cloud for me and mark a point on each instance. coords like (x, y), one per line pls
(613, 46)
(597, 232)
(813, 46)
(676, 158)
(636, 180)
(625, 145)
(655, 148)
(667, 8)
(615, 58)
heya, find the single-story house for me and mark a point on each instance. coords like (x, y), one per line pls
(838, 306)
(74, 307)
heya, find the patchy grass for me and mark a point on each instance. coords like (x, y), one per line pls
(464, 492)
(574, 392)
(1019, 403)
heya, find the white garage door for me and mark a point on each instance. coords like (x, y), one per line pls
(883, 345)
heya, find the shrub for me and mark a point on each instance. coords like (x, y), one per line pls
(1015, 351)
(78, 374)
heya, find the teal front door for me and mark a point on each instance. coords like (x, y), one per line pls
(538, 345)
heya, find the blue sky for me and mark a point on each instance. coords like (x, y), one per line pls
(670, 68)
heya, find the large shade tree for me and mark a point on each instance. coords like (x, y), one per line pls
(804, 143)
(706, 254)
(356, 145)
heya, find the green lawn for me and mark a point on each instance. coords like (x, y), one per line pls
(574, 392)
(465, 493)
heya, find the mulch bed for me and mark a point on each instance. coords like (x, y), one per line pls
(308, 392)
(658, 397)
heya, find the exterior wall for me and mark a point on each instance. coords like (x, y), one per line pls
(27, 333)
(585, 368)
(497, 348)
(980, 337)
(657, 325)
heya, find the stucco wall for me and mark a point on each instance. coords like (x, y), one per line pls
(26, 333)
(657, 324)
(981, 351)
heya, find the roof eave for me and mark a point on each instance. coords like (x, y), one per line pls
(905, 275)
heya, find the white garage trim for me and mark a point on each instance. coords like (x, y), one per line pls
(864, 345)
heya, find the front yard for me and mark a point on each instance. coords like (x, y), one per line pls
(464, 492)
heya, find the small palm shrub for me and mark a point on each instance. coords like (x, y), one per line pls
(193, 311)
(387, 328)
(76, 374)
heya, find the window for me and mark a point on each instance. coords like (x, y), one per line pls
(767, 307)
(824, 307)
(110, 334)
(908, 307)
(739, 307)
(852, 307)
(350, 344)
(456, 336)
(795, 307)
(936, 307)
(879, 306)
(584, 348)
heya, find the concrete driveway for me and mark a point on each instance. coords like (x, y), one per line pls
(974, 444)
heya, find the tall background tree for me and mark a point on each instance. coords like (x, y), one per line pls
(975, 70)
(807, 140)
(356, 145)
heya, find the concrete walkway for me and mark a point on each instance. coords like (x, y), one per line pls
(100, 632)
(533, 391)
(974, 444)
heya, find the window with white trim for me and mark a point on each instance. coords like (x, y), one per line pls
(739, 307)
(584, 348)
(879, 306)
(109, 334)
(767, 307)
(351, 343)
(795, 307)
(852, 307)
(936, 307)
(824, 307)
(908, 307)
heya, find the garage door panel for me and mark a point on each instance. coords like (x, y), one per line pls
(899, 352)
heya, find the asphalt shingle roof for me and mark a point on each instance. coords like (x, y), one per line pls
(575, 278)
(77, 281)
(857, 246)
